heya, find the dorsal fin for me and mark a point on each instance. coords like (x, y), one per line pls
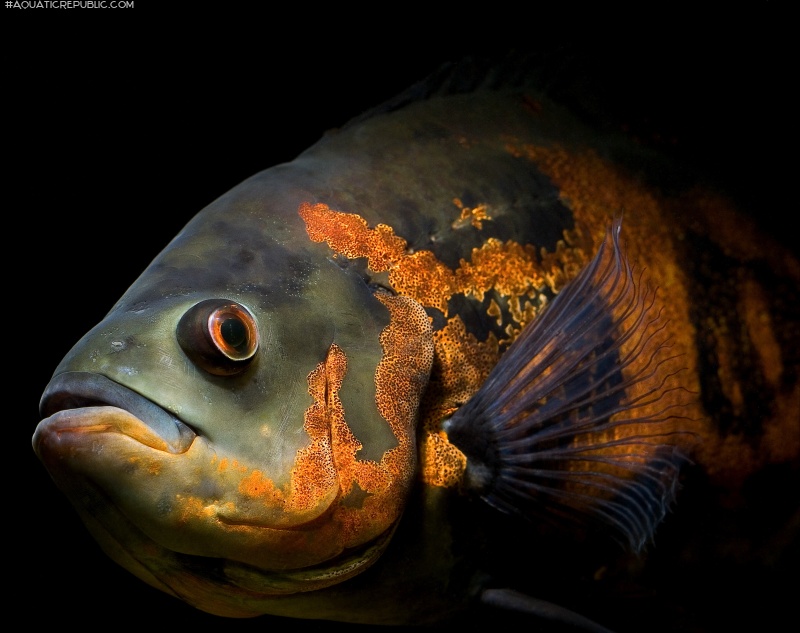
(514, 70)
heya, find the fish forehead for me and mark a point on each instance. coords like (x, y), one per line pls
(245, 241)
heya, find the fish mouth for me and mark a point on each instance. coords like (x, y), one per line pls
(173, 515)
(149, 469)
(76, 390)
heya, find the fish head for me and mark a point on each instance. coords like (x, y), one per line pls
(243, 420)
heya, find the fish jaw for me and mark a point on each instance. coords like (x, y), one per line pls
(186, 496)
(65, 442)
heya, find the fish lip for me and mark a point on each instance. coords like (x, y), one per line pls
(80, 389)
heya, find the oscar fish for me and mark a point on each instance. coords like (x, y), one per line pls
(378, 383)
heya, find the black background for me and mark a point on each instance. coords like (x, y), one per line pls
(120, 125)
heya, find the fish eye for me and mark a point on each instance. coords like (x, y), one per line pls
(219, 335)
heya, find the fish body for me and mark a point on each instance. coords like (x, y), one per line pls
(288, 413)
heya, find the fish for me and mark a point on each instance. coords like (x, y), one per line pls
(336, 356)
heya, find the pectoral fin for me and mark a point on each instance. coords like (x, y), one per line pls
(581, 418)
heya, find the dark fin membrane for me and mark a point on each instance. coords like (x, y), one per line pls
(581, 418)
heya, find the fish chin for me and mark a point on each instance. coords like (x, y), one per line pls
(180, 513)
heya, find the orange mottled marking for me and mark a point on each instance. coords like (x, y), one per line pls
(314, 473)
(425, 279)
(596, 190)
(153, 467)
(475, 216)
(257, 485)
(349, 235)
(461, 366)
(192, 507)
(510, 268)
(461, 362)
(400, 379)
(402, 373)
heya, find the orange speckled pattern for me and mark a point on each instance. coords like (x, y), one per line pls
(461, 362)
(474, 216)
(461, 366)
(314, 470)
(350, 236)
(380, 487)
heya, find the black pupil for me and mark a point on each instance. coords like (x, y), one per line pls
(234, 333)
